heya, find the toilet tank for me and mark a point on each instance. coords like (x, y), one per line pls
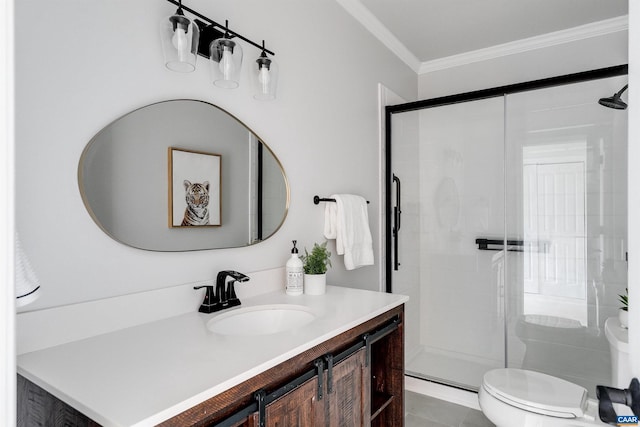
(618, 338)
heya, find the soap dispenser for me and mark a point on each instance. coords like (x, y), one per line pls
(294, 273)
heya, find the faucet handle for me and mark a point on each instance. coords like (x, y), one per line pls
(209, 303)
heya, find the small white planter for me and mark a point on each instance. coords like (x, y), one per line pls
(623, 317)
(315, 284)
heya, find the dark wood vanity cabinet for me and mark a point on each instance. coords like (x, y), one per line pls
(365, 388)
(354, 379)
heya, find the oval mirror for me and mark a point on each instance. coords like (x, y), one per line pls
(182, 175)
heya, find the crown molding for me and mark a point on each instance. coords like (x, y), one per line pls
(371, 23)
(581, 32)
(356, 9)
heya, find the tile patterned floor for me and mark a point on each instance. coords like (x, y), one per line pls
(425, 411)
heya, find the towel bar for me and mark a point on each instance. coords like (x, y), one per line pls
(513, 245)
(317, 200)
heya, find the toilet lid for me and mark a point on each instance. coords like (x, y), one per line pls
(536, 392)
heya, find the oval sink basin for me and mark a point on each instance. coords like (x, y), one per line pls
(261, 320)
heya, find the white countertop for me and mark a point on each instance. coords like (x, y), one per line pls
(143, 375)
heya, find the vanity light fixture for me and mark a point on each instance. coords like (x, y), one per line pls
(265, 77)
(180, 36)
(226, 61)
(183, 39)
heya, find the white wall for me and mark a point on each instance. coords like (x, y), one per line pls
(80, 65)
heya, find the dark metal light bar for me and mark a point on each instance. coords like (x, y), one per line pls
(214, 23)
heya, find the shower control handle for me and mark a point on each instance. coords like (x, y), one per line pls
(397, 213)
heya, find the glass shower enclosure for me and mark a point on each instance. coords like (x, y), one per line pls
(507, 227)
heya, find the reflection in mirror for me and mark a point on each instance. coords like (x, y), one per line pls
(125, 173)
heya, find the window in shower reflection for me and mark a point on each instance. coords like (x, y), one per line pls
(554, 219)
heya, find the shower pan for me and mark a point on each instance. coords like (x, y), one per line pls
(509, 234)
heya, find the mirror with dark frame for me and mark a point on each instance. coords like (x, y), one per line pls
(182, 175)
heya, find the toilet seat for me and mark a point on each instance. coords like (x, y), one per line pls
(536, 392)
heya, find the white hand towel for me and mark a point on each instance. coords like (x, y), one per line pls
(330, 220)
(347, 221)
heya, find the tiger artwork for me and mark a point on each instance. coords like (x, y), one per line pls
(197, 197)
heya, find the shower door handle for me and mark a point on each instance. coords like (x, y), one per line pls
(397, 213)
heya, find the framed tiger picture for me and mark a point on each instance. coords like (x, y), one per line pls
(194, 188)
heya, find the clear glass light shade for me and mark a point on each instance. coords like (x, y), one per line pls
(180, 37)
(265, 79)
(226, 63)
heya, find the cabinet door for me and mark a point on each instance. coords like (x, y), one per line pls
(298, 408)
(345, 401)
(348, 401)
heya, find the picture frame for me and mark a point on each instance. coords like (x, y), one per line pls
(194, 188)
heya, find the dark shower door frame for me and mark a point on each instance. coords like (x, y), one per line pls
(600, 73)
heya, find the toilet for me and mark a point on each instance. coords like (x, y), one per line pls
(516, 397)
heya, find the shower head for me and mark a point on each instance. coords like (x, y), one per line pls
(615, 101)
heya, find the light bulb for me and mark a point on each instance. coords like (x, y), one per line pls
(226, 63)
(264, 78)
(181, 42)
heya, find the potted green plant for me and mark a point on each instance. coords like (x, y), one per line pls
(315, 265)
(623, 313)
